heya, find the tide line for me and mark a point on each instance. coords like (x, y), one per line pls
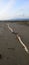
(25, 47)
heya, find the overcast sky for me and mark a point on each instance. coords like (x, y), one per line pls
(11, 9)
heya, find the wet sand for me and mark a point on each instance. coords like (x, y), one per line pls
(12, 51)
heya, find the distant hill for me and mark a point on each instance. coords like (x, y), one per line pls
(16, 20)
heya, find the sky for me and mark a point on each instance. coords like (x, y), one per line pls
(12, 9)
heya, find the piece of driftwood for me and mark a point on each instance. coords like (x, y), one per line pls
(12, 48)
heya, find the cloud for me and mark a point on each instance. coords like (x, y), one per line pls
(4, 14)
(8, 10)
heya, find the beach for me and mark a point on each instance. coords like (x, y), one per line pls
(12, 51)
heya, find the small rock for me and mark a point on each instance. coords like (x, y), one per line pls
(0, 56)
